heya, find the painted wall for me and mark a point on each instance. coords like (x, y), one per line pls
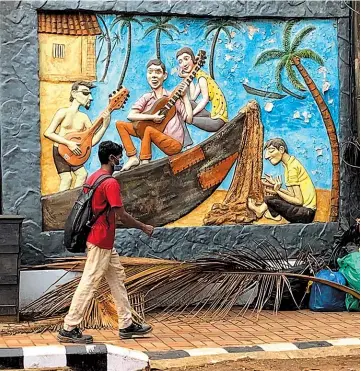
(21, 129)
(233, 48)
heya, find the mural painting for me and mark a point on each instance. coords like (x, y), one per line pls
(222, 121)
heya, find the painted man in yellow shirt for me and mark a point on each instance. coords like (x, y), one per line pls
(209, 91)
(297, 202)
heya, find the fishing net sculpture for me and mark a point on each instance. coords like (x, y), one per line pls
(247, 176)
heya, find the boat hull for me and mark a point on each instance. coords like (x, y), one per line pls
(164, 190)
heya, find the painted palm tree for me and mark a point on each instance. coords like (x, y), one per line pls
(109, 48)
(217, 26)
(160, 25)
(101, 39)
(125, 24)
(289, 58)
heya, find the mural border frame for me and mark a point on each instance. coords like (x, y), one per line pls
(20, 127)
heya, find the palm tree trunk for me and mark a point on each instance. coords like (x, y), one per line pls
(100, 50)
(109, 44)
(332, 135)
(157, 41)
(126, 61)
(211, 58)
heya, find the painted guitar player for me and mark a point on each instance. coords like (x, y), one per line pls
(74, 134)
(158, 116)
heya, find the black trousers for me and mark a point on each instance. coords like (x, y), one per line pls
(292, 213)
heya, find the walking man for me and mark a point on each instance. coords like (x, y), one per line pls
(297, 202)
(69, 120)
(102, 258)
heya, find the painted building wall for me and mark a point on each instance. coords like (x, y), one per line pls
(298, 121)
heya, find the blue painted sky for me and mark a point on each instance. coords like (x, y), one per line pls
(297, 121)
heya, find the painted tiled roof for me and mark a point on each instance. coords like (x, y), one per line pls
(68, 24)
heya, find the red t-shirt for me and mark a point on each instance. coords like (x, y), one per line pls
(108, 194)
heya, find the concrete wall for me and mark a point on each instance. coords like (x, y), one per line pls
(20, 129)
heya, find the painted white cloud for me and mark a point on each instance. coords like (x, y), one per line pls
(230, 46)
(296, 115)
(306, 116)
(268, 107)
(227, 57)
(322, 70)
(251, 31)
(325, 86)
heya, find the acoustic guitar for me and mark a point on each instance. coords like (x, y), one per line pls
(85, 138)
(166, 105)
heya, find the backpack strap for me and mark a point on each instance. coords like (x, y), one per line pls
(93, 188)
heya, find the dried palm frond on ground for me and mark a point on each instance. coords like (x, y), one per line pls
(207, 288)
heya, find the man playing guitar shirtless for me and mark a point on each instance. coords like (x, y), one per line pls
(171, 140)
(68, 120)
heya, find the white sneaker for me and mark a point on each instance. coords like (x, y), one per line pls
(144, 162)
(133, 161)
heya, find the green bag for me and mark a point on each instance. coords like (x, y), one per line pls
(350, 268)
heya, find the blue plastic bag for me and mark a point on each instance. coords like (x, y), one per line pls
(324, 298)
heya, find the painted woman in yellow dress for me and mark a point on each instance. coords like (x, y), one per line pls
(209, 91)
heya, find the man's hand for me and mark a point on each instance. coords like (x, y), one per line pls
(106, 117)
(74, 147)
(158, 117)
(278, 183)
(181, 73)
(184, 87)
(148, 229)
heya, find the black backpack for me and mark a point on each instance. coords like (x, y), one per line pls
(82, 218)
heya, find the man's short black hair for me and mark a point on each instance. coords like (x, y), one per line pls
(107, 149)
(277, 143)
(76, 85)
(157, 62)
(188, 51)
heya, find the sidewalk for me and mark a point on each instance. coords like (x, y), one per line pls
(188, 333)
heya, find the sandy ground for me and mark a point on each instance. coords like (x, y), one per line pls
(347, 363)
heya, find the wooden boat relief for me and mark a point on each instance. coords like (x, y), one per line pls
(167, 189)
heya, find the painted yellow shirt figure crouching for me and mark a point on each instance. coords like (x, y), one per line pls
(296, 175)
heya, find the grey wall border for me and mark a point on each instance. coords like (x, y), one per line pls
(20, 145)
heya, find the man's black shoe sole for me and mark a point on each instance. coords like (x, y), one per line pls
(129, 335)
(65, 339)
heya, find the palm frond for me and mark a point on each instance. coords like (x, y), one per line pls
(209, 31)
(151, 20)
(287, 34)
(213, 23)
(234, 25)
(124, 26)
(150, 30)
(167, 33)
(171, 27)
(309, 54)
(269, 55)
(300, 36)
(291, 74)
(226, 31)
(278, 72)
(137, 21)
(206, 288)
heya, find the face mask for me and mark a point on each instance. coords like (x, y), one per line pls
(119, 166)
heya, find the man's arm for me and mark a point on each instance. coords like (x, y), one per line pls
(52, 135)
(136, 115)
(55, 122)
(293, 195)
(203, 86)
(127, 220)
(99, 134)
